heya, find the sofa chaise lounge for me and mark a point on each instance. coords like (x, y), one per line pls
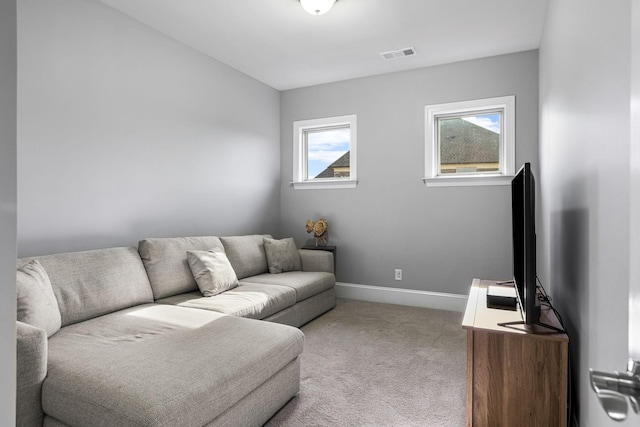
(124, 337)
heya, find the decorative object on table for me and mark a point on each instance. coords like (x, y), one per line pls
(320, 229)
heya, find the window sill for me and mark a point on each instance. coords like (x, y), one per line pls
(324, 185)
(467, 181)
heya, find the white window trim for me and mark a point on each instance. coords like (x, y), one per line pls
(299, 155)
(507, 152)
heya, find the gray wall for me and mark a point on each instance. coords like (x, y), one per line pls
(634, 234)
(8, 136)
(125, 133)
(441, 237)
(8, 71)
(584, 158)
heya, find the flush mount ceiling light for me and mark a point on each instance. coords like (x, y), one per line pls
(317, 7)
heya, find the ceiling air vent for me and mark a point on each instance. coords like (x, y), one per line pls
(400, 53)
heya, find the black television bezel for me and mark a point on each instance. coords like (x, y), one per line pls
(523, 217)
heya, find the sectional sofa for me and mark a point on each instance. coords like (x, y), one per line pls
(125, 337)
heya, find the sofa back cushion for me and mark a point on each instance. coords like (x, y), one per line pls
(165, 260)
(92, 283)
(246, 254)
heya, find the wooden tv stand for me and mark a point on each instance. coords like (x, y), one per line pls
(514, 377)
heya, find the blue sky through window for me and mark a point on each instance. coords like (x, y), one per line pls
(487, 121)
(325, 147)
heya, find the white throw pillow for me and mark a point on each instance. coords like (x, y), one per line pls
(212, 271)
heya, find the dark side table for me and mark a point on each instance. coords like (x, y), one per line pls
(331, 249)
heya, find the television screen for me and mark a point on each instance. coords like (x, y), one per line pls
(524, 243)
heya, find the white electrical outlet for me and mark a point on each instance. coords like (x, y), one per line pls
(398, 274)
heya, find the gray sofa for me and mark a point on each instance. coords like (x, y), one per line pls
(127, 339)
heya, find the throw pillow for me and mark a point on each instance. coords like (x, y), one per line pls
(282, 255)
(36, 302)
(212, 271)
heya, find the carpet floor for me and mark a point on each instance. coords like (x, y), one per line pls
(370, 364)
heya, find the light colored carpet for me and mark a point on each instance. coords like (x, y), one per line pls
(369, 364)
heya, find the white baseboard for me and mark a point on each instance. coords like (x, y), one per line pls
(409, 297)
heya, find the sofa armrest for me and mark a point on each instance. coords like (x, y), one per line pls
(31, 361)
(316, 260)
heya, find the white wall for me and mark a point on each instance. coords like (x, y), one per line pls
(440, 237)
(634, 234)
(7, 212)
(585, 181)
(125, 133)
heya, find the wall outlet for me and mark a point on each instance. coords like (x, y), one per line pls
(398, 274)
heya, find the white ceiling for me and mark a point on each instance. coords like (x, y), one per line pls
(278, 43)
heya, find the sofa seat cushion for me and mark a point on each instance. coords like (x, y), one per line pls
(252, 300)
(161, 365)
(305, 283)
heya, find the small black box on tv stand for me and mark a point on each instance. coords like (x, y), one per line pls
(502, 297)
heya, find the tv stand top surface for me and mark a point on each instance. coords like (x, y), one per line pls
(477, 316)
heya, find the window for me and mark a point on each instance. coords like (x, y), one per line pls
(324, 153)
(470, 142)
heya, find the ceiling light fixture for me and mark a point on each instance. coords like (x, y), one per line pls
(317, 7)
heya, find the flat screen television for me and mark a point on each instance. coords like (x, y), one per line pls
(523, 218)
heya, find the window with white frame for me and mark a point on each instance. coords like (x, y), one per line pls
(470, 142)
(324, 153)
